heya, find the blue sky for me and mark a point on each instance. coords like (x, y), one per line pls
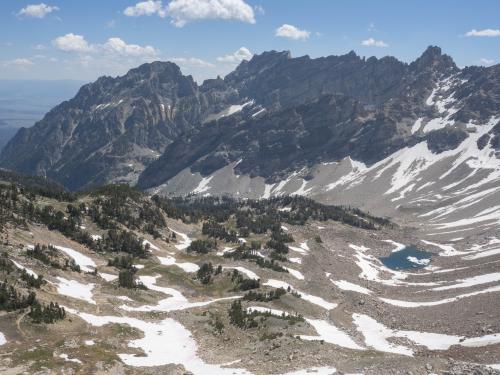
(86, 39)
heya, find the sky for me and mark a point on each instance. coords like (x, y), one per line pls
(85, 39)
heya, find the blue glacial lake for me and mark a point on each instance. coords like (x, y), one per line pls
(408, 258)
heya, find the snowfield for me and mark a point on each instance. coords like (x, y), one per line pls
(75, 289)
(86, 264)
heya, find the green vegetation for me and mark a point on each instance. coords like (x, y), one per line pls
(206, 272)
(241, 318)
(202, 246)
(264, 297)
(126, 279)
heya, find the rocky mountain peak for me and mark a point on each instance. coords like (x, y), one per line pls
(434, 59)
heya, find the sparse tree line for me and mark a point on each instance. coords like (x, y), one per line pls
(13, 299)
(241, 318)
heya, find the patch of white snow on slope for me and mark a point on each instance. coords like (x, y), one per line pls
(203, 185)
(184, 243)
(21, 267)
(302, 189)
(185, 266)
(416, 125)
(3, 340)
(413, 304)
(302, 249)
(397, 246)
(331, 334)
(164, 342)
(353, 178)
(108, 277)
(86, 264)
(175, 302)
(67, 359)
(267, 191)
(297, 274)
(250, 274)
(472, 281)
(421, 262)
(151, 245)
(346, 285)
(305, 296)
(448, 250)
(377, 335)
(75, 289)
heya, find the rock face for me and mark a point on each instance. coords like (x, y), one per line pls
(114, 127)
(273, 116)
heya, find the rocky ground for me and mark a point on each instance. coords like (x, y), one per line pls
(359, 316)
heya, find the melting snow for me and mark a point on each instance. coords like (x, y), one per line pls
(297, 274)
(164, 342)
(472, 281)
(398, 246)
(245, 271)
(75, 289)
(186, 266)
(346, 285)
(108, 277)
(28, 271)
(86, 264)
(422, 262)
(175, 302)
(184, 243)
(331, 334)
(305, 296)
(203, 185)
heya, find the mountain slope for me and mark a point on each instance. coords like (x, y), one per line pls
(406, 140)
(112, 127)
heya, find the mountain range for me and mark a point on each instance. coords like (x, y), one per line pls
(424, 135)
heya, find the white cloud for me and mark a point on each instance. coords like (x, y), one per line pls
(292, 32)
(145, 8)
(37, 10)
(370, 42)
(119, 47)
(486, 62)
(236, 57)
(484, 33)
(39, 47)
(185, 11)
(113, 46)
(20, 63)
(72, 43)
(191, 62)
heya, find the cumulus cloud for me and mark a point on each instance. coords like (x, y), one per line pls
(185, 11)
(145, 8)
(486, 62)
(20, 63)
(119, 47)
(483, 33)
(236, 57)
(113, 46)
(191, 62)
(370, 42)
(72, 43)
(292, 32)
(37, 10)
